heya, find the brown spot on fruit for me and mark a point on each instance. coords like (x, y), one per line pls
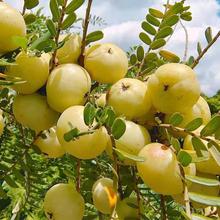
(166, 87)
(124, 87)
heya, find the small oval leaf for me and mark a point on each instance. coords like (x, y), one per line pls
(176, 119)
(206, 200)
(94, 36)
(145, 38)
(140, 53)
(148, 28)
(168, 56)
(156, 13)
(118, 128)
(212, 126)
(126, 155)
(184, 158)
(74, 5)
(68, 22)
(202, 181)
(157, 44)
(152, 20)
(164, 32)
(194, 124)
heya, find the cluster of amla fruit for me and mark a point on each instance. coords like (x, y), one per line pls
(172, 88)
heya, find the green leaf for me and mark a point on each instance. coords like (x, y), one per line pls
(133, 59)
(176, 119)
(20, 42)
(148, 28)
(206, 200)
(94, 36)
(208, 34)
(199, 48)
(156, 13)
(176, 144)
(145, 38)
(202, 181)
(170, 21)
(51, 27)
(175, 9)
(29, 4)
(89, 114)
(36, 44)
(4, 62)
(110, 117)
(157, 44)
(68, 22)
(71, 135)
(29, 18)
(118, 128)
(73, 6)
(198, 146)
(151, 57)
(140, 53)
(214, 151)
(200, 217)
(152, 20)
(212, 126)
(164, 32)
(194, 124)
(217, 133)
(190, 61)
(184, 158)
(2, 192)
(60, 2)
(126, 155)
(10, 182)
(186, 16)
(168, 56)
(54, 8)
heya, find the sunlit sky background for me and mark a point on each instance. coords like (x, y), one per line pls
(123, 18)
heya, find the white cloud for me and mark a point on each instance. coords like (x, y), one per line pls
(124, 18)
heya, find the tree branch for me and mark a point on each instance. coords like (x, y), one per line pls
(205, 50)
(163, 208)
(186, 42)
(85, 30)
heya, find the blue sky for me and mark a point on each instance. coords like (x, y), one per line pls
(124, 17)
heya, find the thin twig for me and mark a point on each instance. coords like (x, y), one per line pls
(78, 176)
(59, 28)
(186, 42)
(85, 29)
(136, 191)
(24, 9)
(205, 50)
(163, 208)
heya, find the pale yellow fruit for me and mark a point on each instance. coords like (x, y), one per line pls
(101, 100)
(174, 88)
(209, 166)
(104, 196)
(34, 70)
(70, 51)
(67, 85)
(204, 109)
(33, 111)
(125, 210)
(86, 146)
(106, 63)
(160, 170)
(49, 144)
(2, 123)
(129, 98)
(62, 201)
(11, 24)
(133, 140)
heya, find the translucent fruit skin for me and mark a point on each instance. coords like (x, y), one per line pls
(50, 145)
(62, 201)
(70, 51)
(11, 24)
(34, 70)
(106, 63)
(174, 88)
(160, 170)
(204, 109)
(125, 211)
(87, 146)
(67, 85)
(129, 98)
(132, 141)
(33, 111)
(101, 100)
(100, 196)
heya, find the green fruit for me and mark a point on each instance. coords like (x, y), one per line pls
(160, 170)
(31, 69)
(129, 98)
(33, 111)
(104, 196)
(174, 88)
(62, 201)
(106, 63)
(86, 146)
(67, 85)
(70, 51)
(11, 24)
(48, 143)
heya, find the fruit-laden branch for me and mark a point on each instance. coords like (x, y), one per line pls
(59, 27)
(85, 30)
(205, 50)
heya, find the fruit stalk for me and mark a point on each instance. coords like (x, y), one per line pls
(205, 50)
(85, 29)
(59, 27)
(163, 208)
